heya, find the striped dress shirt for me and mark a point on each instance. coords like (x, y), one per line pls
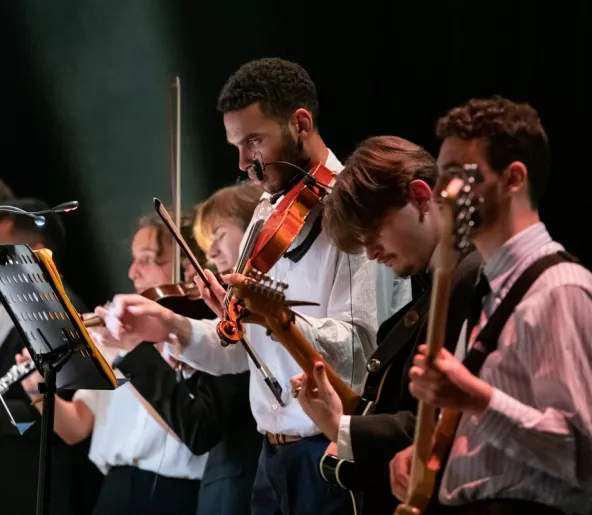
(534, 441)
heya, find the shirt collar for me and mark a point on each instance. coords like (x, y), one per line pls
(512, 252)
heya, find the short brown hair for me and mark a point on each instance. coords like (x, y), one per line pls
(376, 178)
(512, 132)
(235, 203)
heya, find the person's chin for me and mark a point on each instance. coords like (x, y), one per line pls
(402, 272)
(271, 187)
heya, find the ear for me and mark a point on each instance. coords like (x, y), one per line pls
(516, 176)
(420, 194)
(302, 123)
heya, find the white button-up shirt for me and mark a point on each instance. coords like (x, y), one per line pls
(342, 327)
(125, 433)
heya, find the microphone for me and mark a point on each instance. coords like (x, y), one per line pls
(259, 165)
(258, 169)
(37, 216)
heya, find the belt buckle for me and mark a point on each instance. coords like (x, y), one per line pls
(276, 439)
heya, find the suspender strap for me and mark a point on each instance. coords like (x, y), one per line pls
(486, 341)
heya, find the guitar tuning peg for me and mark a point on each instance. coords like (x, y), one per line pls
(282, 286)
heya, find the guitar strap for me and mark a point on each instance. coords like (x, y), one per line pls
(396, 339)
(487, 339)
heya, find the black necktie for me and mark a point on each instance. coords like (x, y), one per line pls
(476, 304)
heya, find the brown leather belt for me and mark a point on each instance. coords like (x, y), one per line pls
(276, 439)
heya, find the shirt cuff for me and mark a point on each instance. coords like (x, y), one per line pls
(502, 416)
(344, 447)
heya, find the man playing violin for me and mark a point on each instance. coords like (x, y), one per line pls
(270, 112)
(382, 203)
(525, 437)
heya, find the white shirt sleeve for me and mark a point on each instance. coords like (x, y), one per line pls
(351, 312)
(205, 351)
(344, 446)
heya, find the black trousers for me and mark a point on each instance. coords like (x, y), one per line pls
(289, 482)
(132, 491)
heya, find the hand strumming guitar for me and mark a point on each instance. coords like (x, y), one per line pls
(319, 400)
(400, 470)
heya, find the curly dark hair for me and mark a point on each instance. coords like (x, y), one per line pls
(281, 87)
(375, 179)
(513, 132)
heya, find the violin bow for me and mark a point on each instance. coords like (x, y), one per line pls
(166, 218)
(175, 114)
(263, 369)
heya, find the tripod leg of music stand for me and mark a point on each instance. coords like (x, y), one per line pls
(46, 445)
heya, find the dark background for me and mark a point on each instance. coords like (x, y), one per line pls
(84, 92)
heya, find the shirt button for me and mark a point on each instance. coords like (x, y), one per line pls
(274, 406)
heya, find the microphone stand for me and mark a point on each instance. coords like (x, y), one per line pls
(37, 216)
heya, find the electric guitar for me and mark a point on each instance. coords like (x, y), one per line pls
(459, 205)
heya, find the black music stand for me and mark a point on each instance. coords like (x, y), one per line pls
(57, 341)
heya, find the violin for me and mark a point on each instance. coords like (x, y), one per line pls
(181, 298)
(273, 238)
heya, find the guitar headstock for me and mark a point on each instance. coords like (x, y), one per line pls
(262, 295)
(460, 205)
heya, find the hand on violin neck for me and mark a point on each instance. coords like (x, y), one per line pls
(212, 295)
(132, 319)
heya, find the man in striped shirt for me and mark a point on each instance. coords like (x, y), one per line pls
(525, 436)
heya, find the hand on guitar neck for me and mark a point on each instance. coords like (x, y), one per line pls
(446, 383)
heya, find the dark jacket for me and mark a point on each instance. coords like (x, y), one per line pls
(209, 414)
(377, 438)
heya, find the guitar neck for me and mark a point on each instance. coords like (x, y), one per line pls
(423, 472)
(306, 356)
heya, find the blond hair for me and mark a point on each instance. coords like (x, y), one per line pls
(234, 204)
